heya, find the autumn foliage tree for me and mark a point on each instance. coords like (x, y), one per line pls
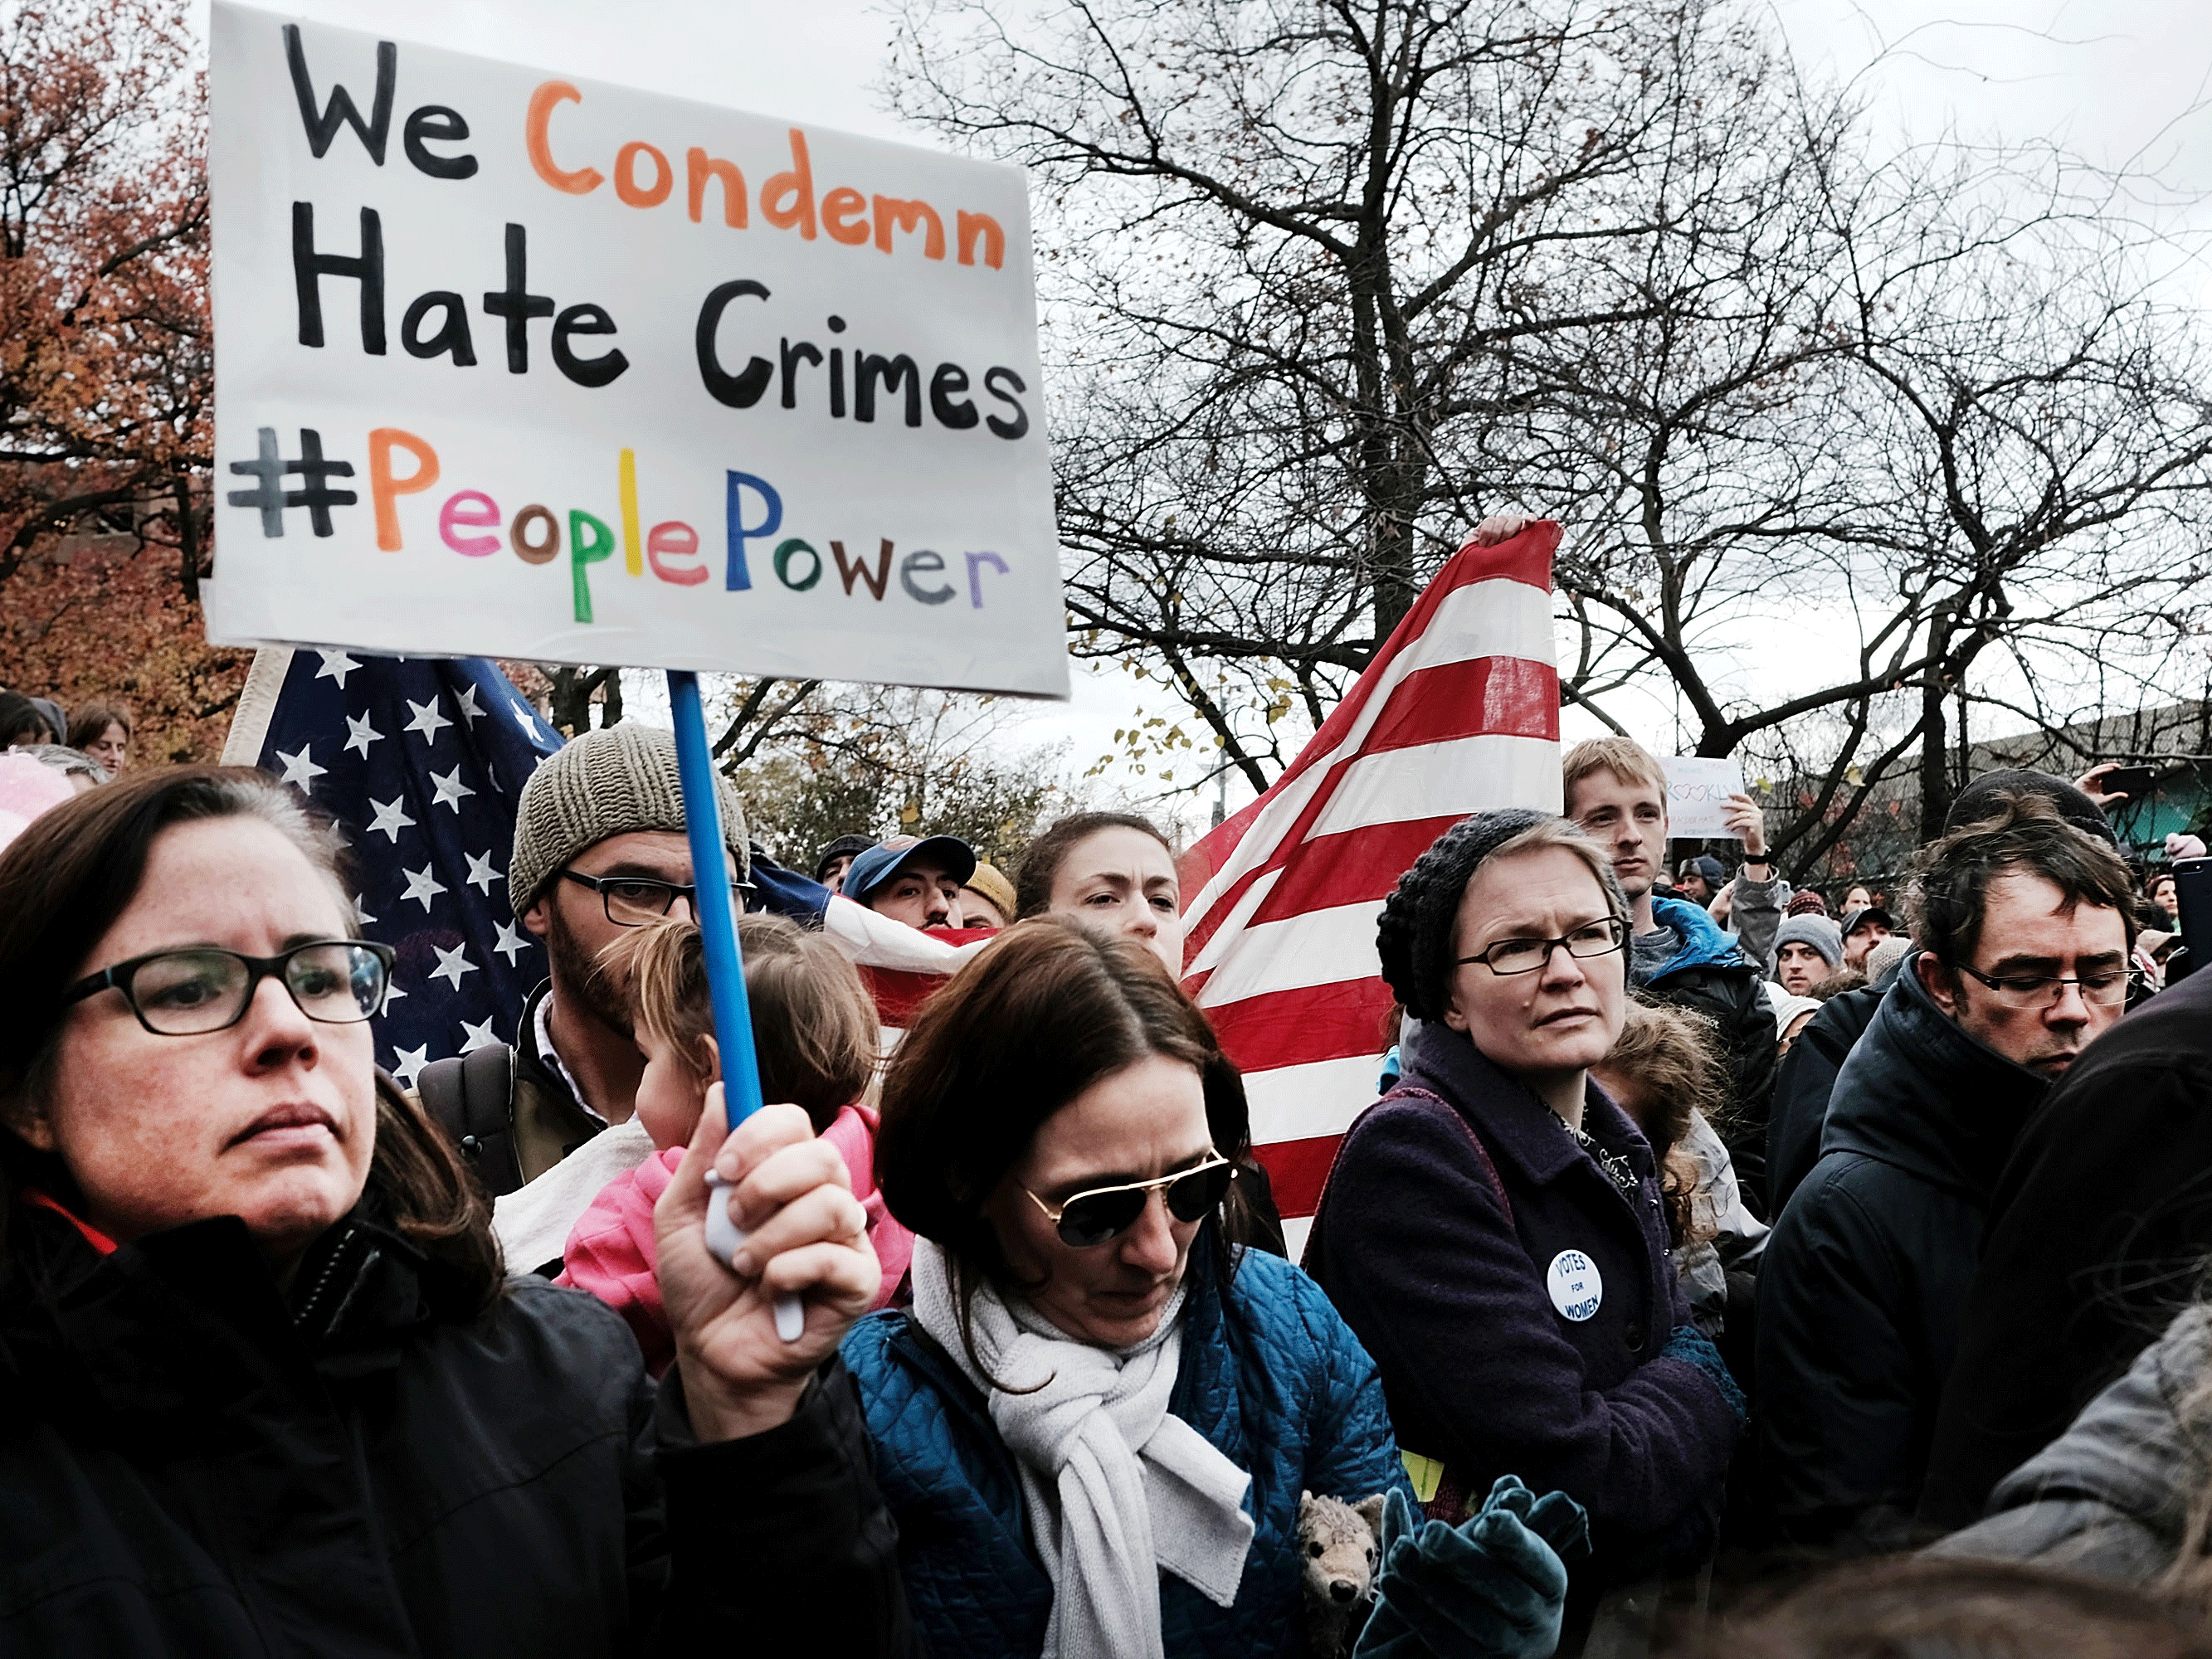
(106, 367)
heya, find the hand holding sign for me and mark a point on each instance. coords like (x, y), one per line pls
(1702, 797)
(631, 424)
(1746, 823)
(807, 1237)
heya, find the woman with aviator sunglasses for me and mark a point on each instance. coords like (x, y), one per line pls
(1094, 1425)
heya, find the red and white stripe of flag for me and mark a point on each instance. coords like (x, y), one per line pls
(1459, 713)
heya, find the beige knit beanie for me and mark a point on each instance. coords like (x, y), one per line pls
(604, 783)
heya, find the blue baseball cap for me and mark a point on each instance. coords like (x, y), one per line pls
(873, 868)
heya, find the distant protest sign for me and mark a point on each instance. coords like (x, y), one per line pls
(1698, 791)
(518, 364)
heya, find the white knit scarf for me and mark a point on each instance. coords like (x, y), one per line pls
(1118, 1489)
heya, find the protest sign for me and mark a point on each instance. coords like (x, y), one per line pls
(1698, 791)
(519, 364)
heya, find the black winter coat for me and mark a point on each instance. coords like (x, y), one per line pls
(1803, 1085)
(190, 1466)
(1445, 1275)
(1866, 1272)
(2098, 1233)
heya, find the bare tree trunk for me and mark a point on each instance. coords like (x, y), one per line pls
(1341, 282)
(188, 537)
(1934, 748)
(573, 690)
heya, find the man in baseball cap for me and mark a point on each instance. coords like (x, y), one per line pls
(1863, 929)
(915, 880)
(599, 848)
(1700, 878)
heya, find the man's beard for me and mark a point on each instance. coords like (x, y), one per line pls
(580, 976)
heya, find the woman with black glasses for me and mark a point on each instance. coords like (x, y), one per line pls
(264, 1386)
(1493, 1228)
(1094, 1425)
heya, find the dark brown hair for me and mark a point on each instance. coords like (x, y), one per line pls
(2023, 835)
(1042, 858)
(89, 724)
(1923, 1606)
(21, 719)
(814, 1024)
(1045, 1010)
(65, 881)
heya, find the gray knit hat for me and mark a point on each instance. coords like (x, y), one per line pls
(607, 783)
(1821, 932)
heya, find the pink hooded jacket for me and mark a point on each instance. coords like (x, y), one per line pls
(610, 1250)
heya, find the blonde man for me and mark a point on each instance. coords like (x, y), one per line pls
(1617, 792)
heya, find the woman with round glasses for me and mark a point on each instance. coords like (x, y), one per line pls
(265, 1386)
(1493, 1228)
(1094, 1424)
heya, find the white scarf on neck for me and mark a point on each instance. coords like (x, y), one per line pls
(1118, 1490)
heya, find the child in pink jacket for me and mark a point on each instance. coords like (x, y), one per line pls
(814, 1031)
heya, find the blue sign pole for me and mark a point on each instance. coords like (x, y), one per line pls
(725, 976)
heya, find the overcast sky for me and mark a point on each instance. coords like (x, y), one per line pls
(2118, 82)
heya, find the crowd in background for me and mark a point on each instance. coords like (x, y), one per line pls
(1702, 1232)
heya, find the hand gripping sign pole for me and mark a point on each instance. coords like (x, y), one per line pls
(726, 974)
(586, 468)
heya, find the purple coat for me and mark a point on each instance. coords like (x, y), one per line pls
(1491, 1356)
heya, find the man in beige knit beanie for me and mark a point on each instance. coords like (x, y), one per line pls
(599, 848)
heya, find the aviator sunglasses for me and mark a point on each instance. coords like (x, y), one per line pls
(1103, 1213)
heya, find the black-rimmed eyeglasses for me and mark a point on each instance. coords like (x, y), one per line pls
(191, 991)
(2104, 988)
(641, 900)
(1093, 1218)
(1526, 956)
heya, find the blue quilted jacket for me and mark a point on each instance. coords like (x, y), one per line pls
(1270, 1375)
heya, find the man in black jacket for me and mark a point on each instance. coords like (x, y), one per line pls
(1804, 1084)
(1808, 1076)
(2025, 924)
(1617, 792)
(2098, 1235)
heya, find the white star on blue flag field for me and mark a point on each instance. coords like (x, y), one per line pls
(421, 761)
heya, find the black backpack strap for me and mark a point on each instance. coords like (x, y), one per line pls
(471, 1097)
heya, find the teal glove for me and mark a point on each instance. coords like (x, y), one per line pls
(1492, 1587)
(1693, 1348)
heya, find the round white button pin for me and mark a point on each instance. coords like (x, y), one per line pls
(1575, 1285)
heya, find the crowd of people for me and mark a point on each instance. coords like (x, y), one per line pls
(47, 757)
(1703, 1233)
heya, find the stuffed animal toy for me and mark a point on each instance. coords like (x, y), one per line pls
(1339, 1544)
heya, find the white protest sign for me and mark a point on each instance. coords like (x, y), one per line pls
(1698, 791)
(514, 363)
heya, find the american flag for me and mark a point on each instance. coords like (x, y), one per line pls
(1459, 713)
(421, 760)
